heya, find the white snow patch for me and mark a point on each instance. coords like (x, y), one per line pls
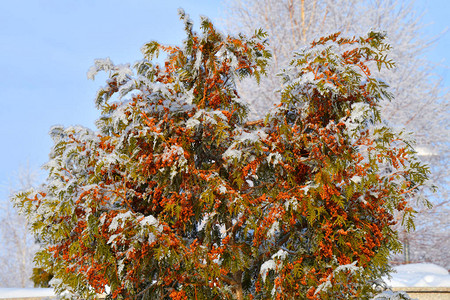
(359, 112)
(231, 153)
(151, 238)
(222, 189)
(112, 238)
(120, 217)
(266, 267)
(149, 220)
(291, 203)
(205, 219)
(171, 152)
(276, 158)
(123, 72)
(252, 137)
(281, 254)
(271, 264)
(419, 275)
(192, 123)
(390, 295)
(26, 292)
(100, 65)
(356, 179)
(273, 229)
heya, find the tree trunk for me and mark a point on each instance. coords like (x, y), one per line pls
(237, 288)
(239, 292)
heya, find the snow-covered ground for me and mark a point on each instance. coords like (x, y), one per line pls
(412, 275)
(419, 275)
(23, 293)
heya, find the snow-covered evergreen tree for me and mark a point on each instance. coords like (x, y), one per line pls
(420, 103)
(179, 196)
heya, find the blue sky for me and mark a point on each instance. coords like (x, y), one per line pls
(47, 46)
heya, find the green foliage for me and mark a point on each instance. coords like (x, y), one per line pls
(41, 278)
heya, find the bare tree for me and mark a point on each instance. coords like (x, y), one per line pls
(421, 102)
(17, 246)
